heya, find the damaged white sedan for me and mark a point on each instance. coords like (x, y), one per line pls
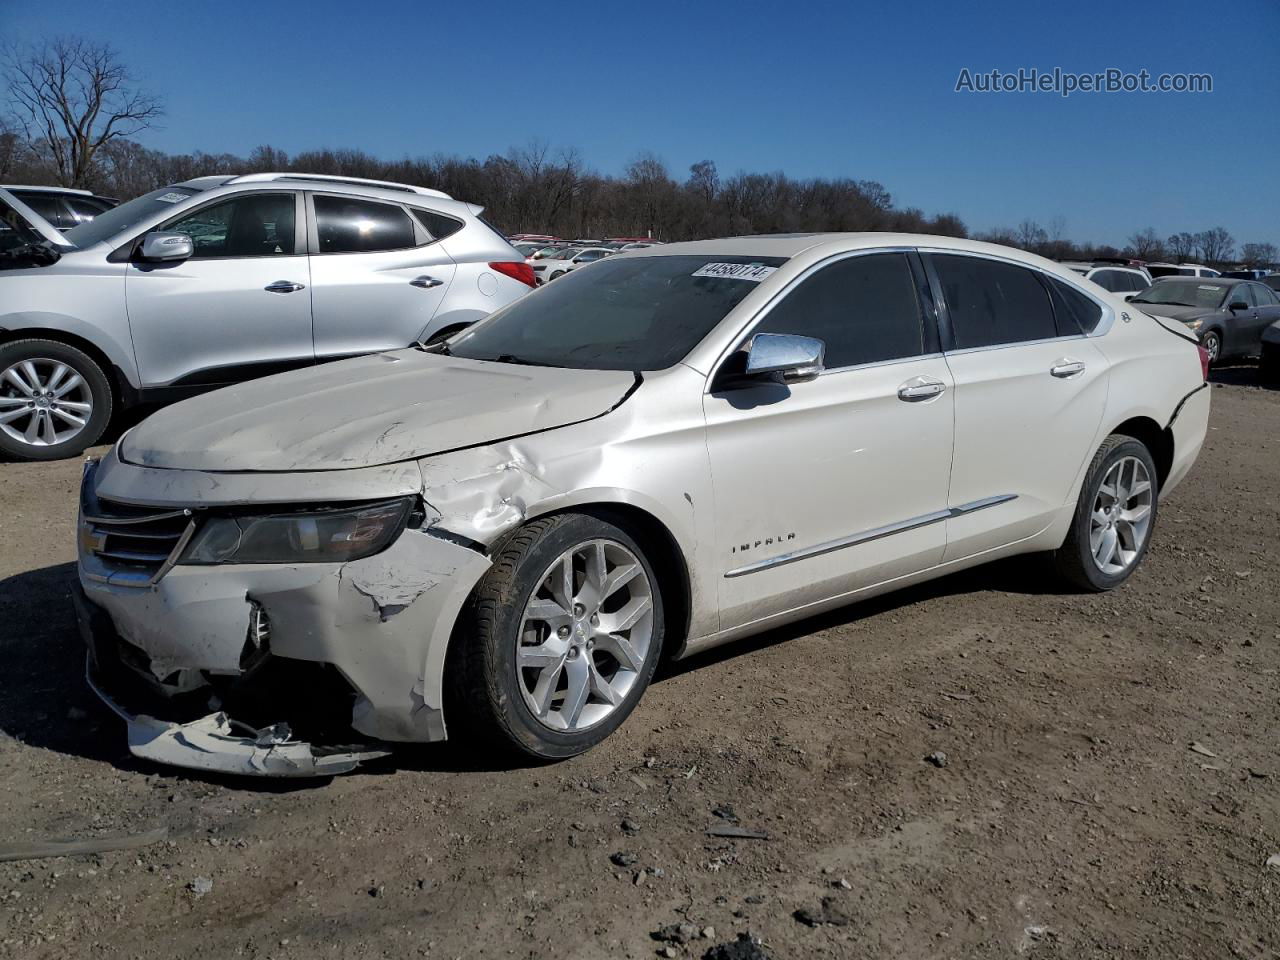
(504, 534)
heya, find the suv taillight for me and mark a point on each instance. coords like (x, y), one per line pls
(1204, 361)
(516, 270)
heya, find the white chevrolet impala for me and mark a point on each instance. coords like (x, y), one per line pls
(502, 536)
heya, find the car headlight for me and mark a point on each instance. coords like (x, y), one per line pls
(319, 536)
(1194, 324)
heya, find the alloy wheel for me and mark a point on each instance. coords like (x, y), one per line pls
(585, 635)
(1121, 517)
(1212, 346)
(43, 402)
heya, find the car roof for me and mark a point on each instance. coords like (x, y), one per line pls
(1226, 281)
(789, 245)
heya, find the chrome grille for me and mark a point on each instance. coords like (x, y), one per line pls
(133, 544)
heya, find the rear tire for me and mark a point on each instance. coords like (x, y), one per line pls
(1114, 517)
(545, 670)
(55, 400)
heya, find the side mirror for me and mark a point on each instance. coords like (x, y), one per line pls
(1129, 296)
(159, 245)
(793, 358)
(1235, 305)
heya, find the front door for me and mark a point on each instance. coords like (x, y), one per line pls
(841, 482)
(378, 278)
(239, 307)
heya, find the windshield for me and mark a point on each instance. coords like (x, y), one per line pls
(641, 313)
(119, 218)
(566, 254)
(1185, 293)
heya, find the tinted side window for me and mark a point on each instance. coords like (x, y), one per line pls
(863, 308)
(1265, 297)
(1136, 282)
(437, 224)
(361, 226)
(85, 209)
(252, 225)
(1108, 280)
(992, 303)
(1241, 292)
(1075, 313)
(49, 207)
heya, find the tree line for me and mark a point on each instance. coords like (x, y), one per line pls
(74, 113)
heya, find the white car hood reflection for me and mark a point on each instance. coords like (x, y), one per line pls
(368, 411)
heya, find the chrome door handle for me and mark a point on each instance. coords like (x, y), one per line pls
(425, 282)
(1065, 369)
(283, 286)
(921, 388)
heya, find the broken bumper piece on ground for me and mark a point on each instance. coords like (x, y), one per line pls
(218, 744)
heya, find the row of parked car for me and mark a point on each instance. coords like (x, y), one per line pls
(1231, 312)
(551, 257)
(221, 279)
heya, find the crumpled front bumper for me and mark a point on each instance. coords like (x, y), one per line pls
(212, 744)
(378, 628)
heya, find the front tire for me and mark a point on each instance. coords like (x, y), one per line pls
(560, 640)
(1114, 517)
(55, 400)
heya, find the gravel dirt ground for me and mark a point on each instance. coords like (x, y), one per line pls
(1110, 787)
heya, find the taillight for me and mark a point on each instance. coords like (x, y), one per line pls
(516, 270)
(1204, 361)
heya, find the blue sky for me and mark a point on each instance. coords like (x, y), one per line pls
(813, 89)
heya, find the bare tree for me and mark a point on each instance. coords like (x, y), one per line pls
(72, 97)
(1215, 245)
(1259, 254)
(1181, 245)
(1030, 235)
(1146, 244)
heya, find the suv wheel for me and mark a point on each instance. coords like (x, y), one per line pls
(1114, 517)
(561, 639)
(54, 400)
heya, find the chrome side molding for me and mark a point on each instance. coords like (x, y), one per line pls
(867, 536)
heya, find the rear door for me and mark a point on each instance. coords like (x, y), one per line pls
(841, 482)
(1030, 390)
(378, 276)
(238, 308)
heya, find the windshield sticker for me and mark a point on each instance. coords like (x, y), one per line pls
(754, 272)
(172, 197)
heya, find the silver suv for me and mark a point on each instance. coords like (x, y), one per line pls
(221, 279)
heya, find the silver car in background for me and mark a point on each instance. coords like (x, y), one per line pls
(501, 535)
(221, 279)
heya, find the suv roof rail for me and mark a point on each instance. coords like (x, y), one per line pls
(327, 178)
(33, 186)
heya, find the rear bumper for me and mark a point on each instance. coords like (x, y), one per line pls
(1190, 425)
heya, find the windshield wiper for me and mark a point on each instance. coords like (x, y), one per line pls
(522, 361)
(440, 347)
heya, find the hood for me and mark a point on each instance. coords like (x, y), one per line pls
(368, 411)
(11, 206)
(1173, 312)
